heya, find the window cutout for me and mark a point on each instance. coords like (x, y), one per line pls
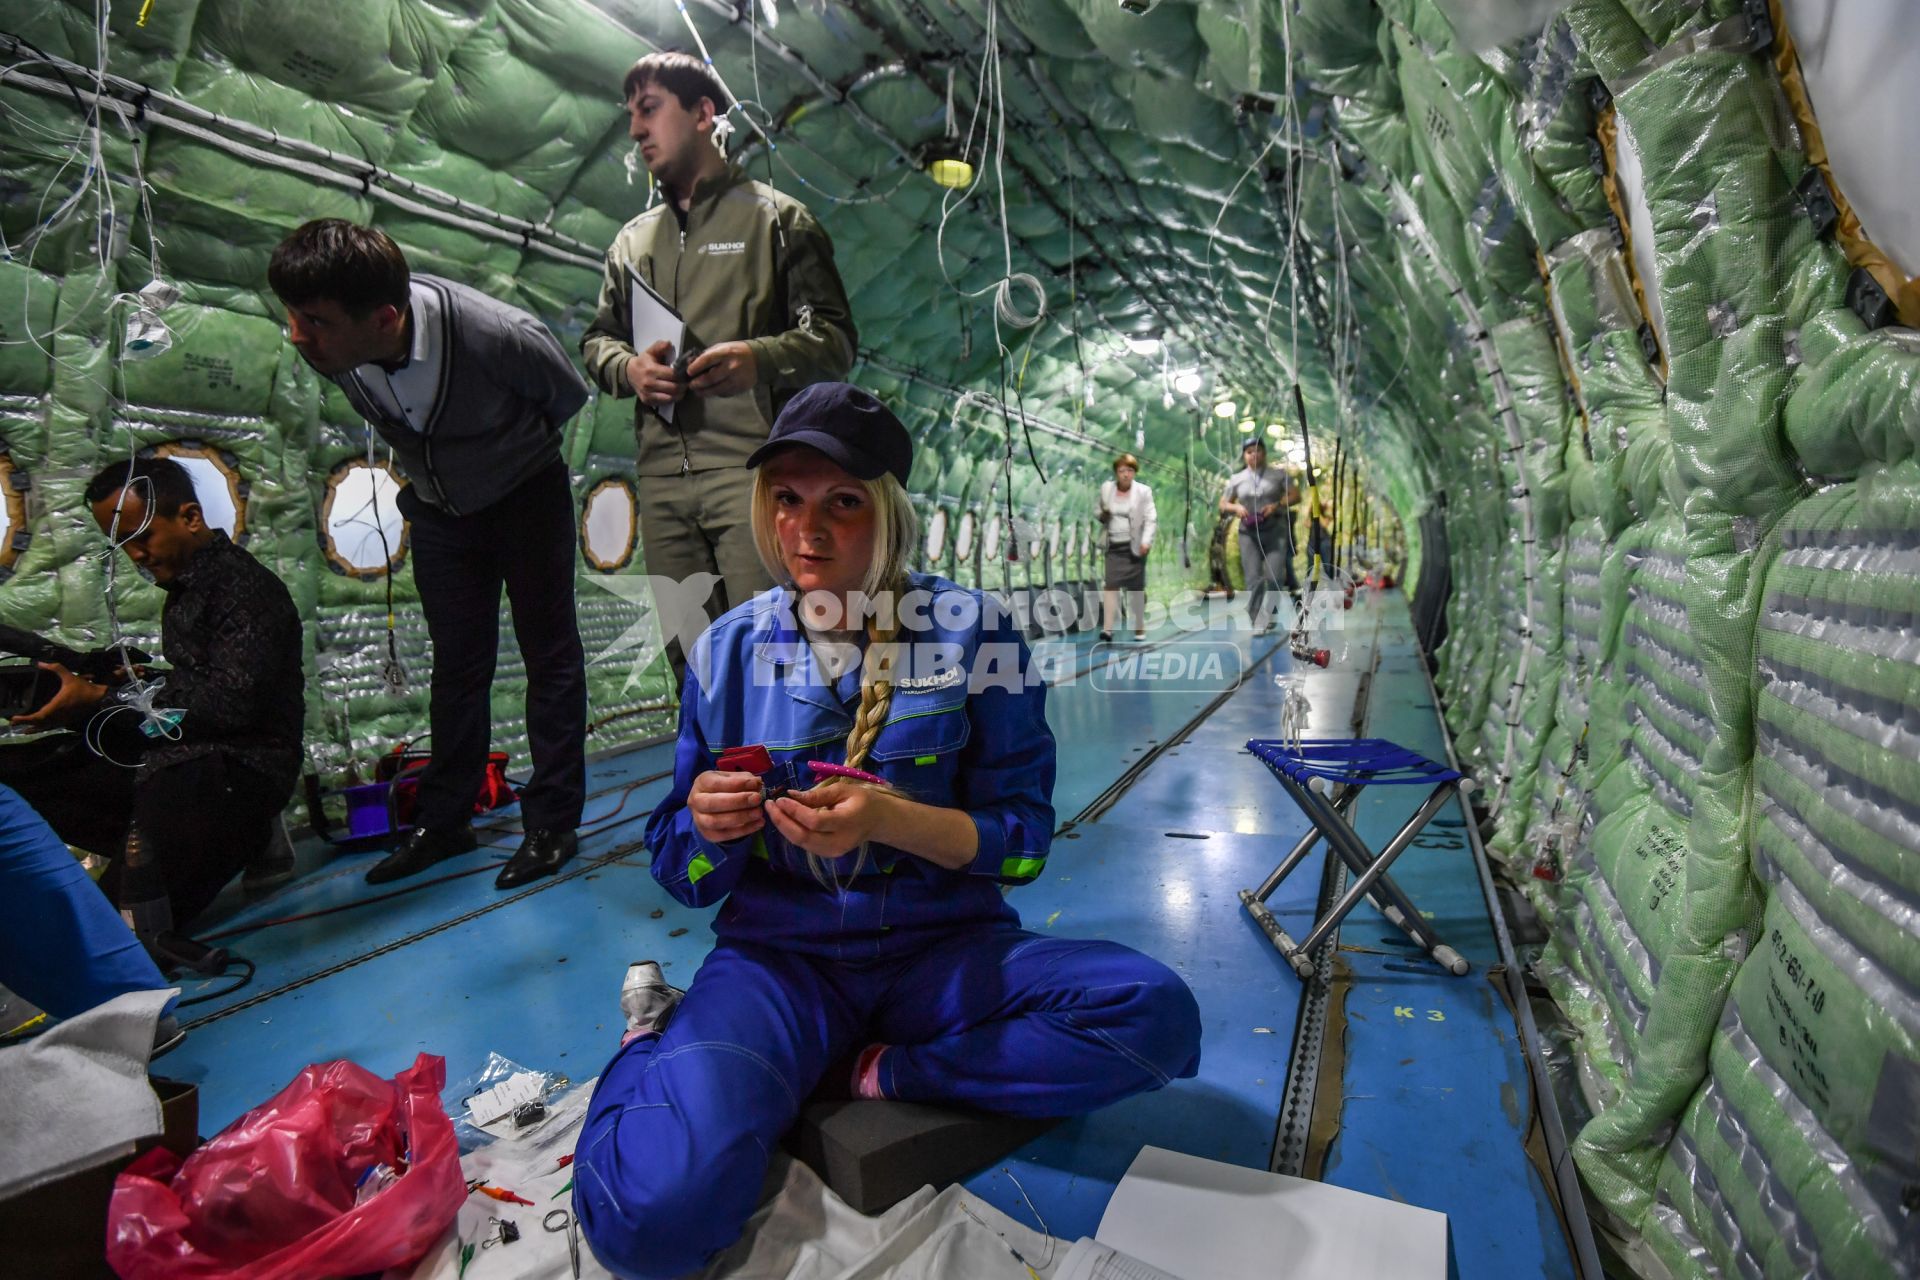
(963, 542)
(1861, 60)
(937, 535)
(609, 525)
(365, 534)
(1632, 185)
(216, 483)
(991, 549)
(13, 514)
(1033, 551)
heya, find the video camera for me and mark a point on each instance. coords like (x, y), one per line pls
(25, 687)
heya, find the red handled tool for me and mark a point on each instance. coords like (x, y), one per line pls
(753, 759)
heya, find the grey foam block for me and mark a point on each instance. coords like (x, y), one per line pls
(875, 1154)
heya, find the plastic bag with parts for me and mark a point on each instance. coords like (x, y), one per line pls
(273, 1196)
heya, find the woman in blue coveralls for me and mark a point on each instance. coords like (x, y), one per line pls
(865, 946)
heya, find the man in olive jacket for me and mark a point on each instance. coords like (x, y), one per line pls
(752, 275)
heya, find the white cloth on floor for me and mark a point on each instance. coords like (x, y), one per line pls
(801, 1231)
(78, 1094)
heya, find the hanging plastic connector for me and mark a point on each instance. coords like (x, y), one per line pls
(392, 674)
(1546, 861)
(1295, 711)
(1303, 650)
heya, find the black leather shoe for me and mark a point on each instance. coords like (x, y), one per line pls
(543, 852)
(419, 850)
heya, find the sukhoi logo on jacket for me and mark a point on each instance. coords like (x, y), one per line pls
(720, 247)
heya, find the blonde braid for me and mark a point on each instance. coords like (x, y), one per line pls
(876, 696)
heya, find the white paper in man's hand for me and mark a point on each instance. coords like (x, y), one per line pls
(652, 320)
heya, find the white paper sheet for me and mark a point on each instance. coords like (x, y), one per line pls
(1203, 1219)
(653, 320)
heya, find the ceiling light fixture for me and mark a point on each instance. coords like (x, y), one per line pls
(1187, 383)
(1147, 346)
(1225, 409)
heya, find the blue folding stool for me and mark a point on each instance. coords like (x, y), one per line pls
(1325, 776)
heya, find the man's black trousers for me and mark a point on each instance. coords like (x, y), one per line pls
(524, 542)
(206, 818)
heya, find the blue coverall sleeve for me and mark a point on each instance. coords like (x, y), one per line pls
(689, 866)
(1005, 778)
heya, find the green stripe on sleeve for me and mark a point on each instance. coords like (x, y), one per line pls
(699, 867)
(1021, 868)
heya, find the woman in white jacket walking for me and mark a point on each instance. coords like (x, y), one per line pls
(1129, 523)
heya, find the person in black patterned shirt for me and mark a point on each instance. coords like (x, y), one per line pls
(204, 795)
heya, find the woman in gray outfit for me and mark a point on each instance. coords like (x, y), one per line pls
(1128, 523)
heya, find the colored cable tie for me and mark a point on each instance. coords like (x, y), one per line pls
(822, 770)
(562, 1191)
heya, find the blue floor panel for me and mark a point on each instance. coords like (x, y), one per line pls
(1435, 1093)
(288, 951)
(1436, 1089)
(539, 985)
(1175, 899)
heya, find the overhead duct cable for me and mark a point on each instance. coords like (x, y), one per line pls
(135, 103)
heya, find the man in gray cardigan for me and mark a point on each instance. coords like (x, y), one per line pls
(471, 394)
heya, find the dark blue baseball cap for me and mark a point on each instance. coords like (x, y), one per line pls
(847, 424)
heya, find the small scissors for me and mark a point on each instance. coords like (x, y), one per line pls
(566, 1224)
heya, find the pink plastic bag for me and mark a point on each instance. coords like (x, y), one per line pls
(272, 1196)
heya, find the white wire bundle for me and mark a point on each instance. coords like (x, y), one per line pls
(723, 127)
(95, 182)
(992, 96)
(143, 690)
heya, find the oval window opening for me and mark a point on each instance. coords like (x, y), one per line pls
(216, 484)
(963, 542)
(992, 546)
(366, 536)
(13, 514)
(937, 535)
(609, 529)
